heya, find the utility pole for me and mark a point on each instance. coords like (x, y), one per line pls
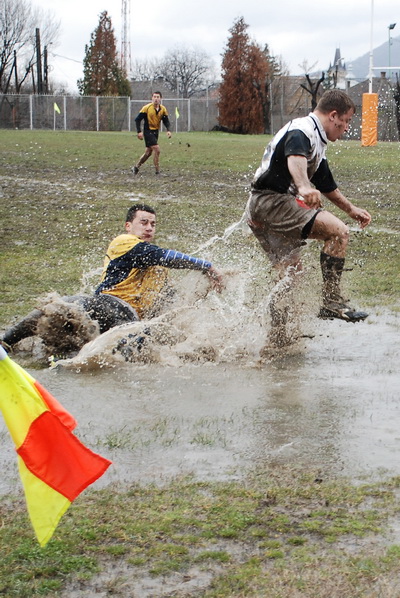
(45, 71)
(16, 72)
(390, 28)
(39, 63)
(126, 61)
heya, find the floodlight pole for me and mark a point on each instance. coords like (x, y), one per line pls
(390, 28)
(369, 125)
(371, 49)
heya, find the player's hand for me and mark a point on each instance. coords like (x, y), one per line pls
(169, 134)
(140, 136)
(216, 279)
(362, 216)
(312, 197)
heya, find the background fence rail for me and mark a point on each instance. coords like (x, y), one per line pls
(99, 113)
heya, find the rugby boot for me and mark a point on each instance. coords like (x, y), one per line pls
(342, 311)
(334, 306)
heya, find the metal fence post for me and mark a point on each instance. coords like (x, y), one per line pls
(65, 112)
(30, 112)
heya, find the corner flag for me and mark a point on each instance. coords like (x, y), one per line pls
(54, 466)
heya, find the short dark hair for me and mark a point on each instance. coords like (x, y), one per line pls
(159, 93)
(131, 214)
(335, 99)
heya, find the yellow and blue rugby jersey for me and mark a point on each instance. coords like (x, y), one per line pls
(152, 117)
(134, 270)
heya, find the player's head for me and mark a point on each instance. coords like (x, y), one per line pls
(335, 99)
(156, 97)
(141, 222)
(335, 110)
(138, 207)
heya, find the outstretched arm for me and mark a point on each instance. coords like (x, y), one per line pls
(143, 255)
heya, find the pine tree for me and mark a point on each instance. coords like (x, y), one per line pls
(244, 91)
(102, 75)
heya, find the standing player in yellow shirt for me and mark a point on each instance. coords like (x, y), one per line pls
(153, 115)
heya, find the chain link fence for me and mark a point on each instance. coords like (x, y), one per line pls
(98, 113)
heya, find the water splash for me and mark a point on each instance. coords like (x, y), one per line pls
(244, 324)
(241, 226)
(253, 318)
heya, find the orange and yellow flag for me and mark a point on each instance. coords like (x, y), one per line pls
(55, 467)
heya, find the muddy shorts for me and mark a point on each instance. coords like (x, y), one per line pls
(150, 137)
(280, 223)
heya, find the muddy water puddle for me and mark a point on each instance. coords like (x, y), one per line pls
(330, 403)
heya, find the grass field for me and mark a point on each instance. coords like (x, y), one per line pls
(64, 196)
(281, 534)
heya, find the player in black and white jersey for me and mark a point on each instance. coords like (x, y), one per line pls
(285, 207)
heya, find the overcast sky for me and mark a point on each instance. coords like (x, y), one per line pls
(296, 31)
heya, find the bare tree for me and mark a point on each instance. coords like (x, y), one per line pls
(305, 66)
(186, 70)
(18, 24)
(145, 70)
(312, 89)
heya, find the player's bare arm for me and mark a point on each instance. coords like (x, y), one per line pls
(297, 166)
(362, 216)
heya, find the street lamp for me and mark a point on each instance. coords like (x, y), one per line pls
(390, 28)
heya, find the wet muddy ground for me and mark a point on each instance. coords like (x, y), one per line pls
(329, 402)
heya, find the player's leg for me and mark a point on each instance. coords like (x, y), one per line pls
(24, 328)
(335, 235)
(142, 159)
(156, 158)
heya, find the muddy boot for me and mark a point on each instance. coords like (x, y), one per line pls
(334, 306)
(24, 328)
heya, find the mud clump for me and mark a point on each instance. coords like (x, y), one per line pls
(65, 327)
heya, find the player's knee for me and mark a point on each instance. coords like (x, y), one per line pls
(341, 235)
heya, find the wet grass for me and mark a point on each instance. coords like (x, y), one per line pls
(64, 195)
(166, 431)
(278, 534)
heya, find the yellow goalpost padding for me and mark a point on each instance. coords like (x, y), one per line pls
(369, 129)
